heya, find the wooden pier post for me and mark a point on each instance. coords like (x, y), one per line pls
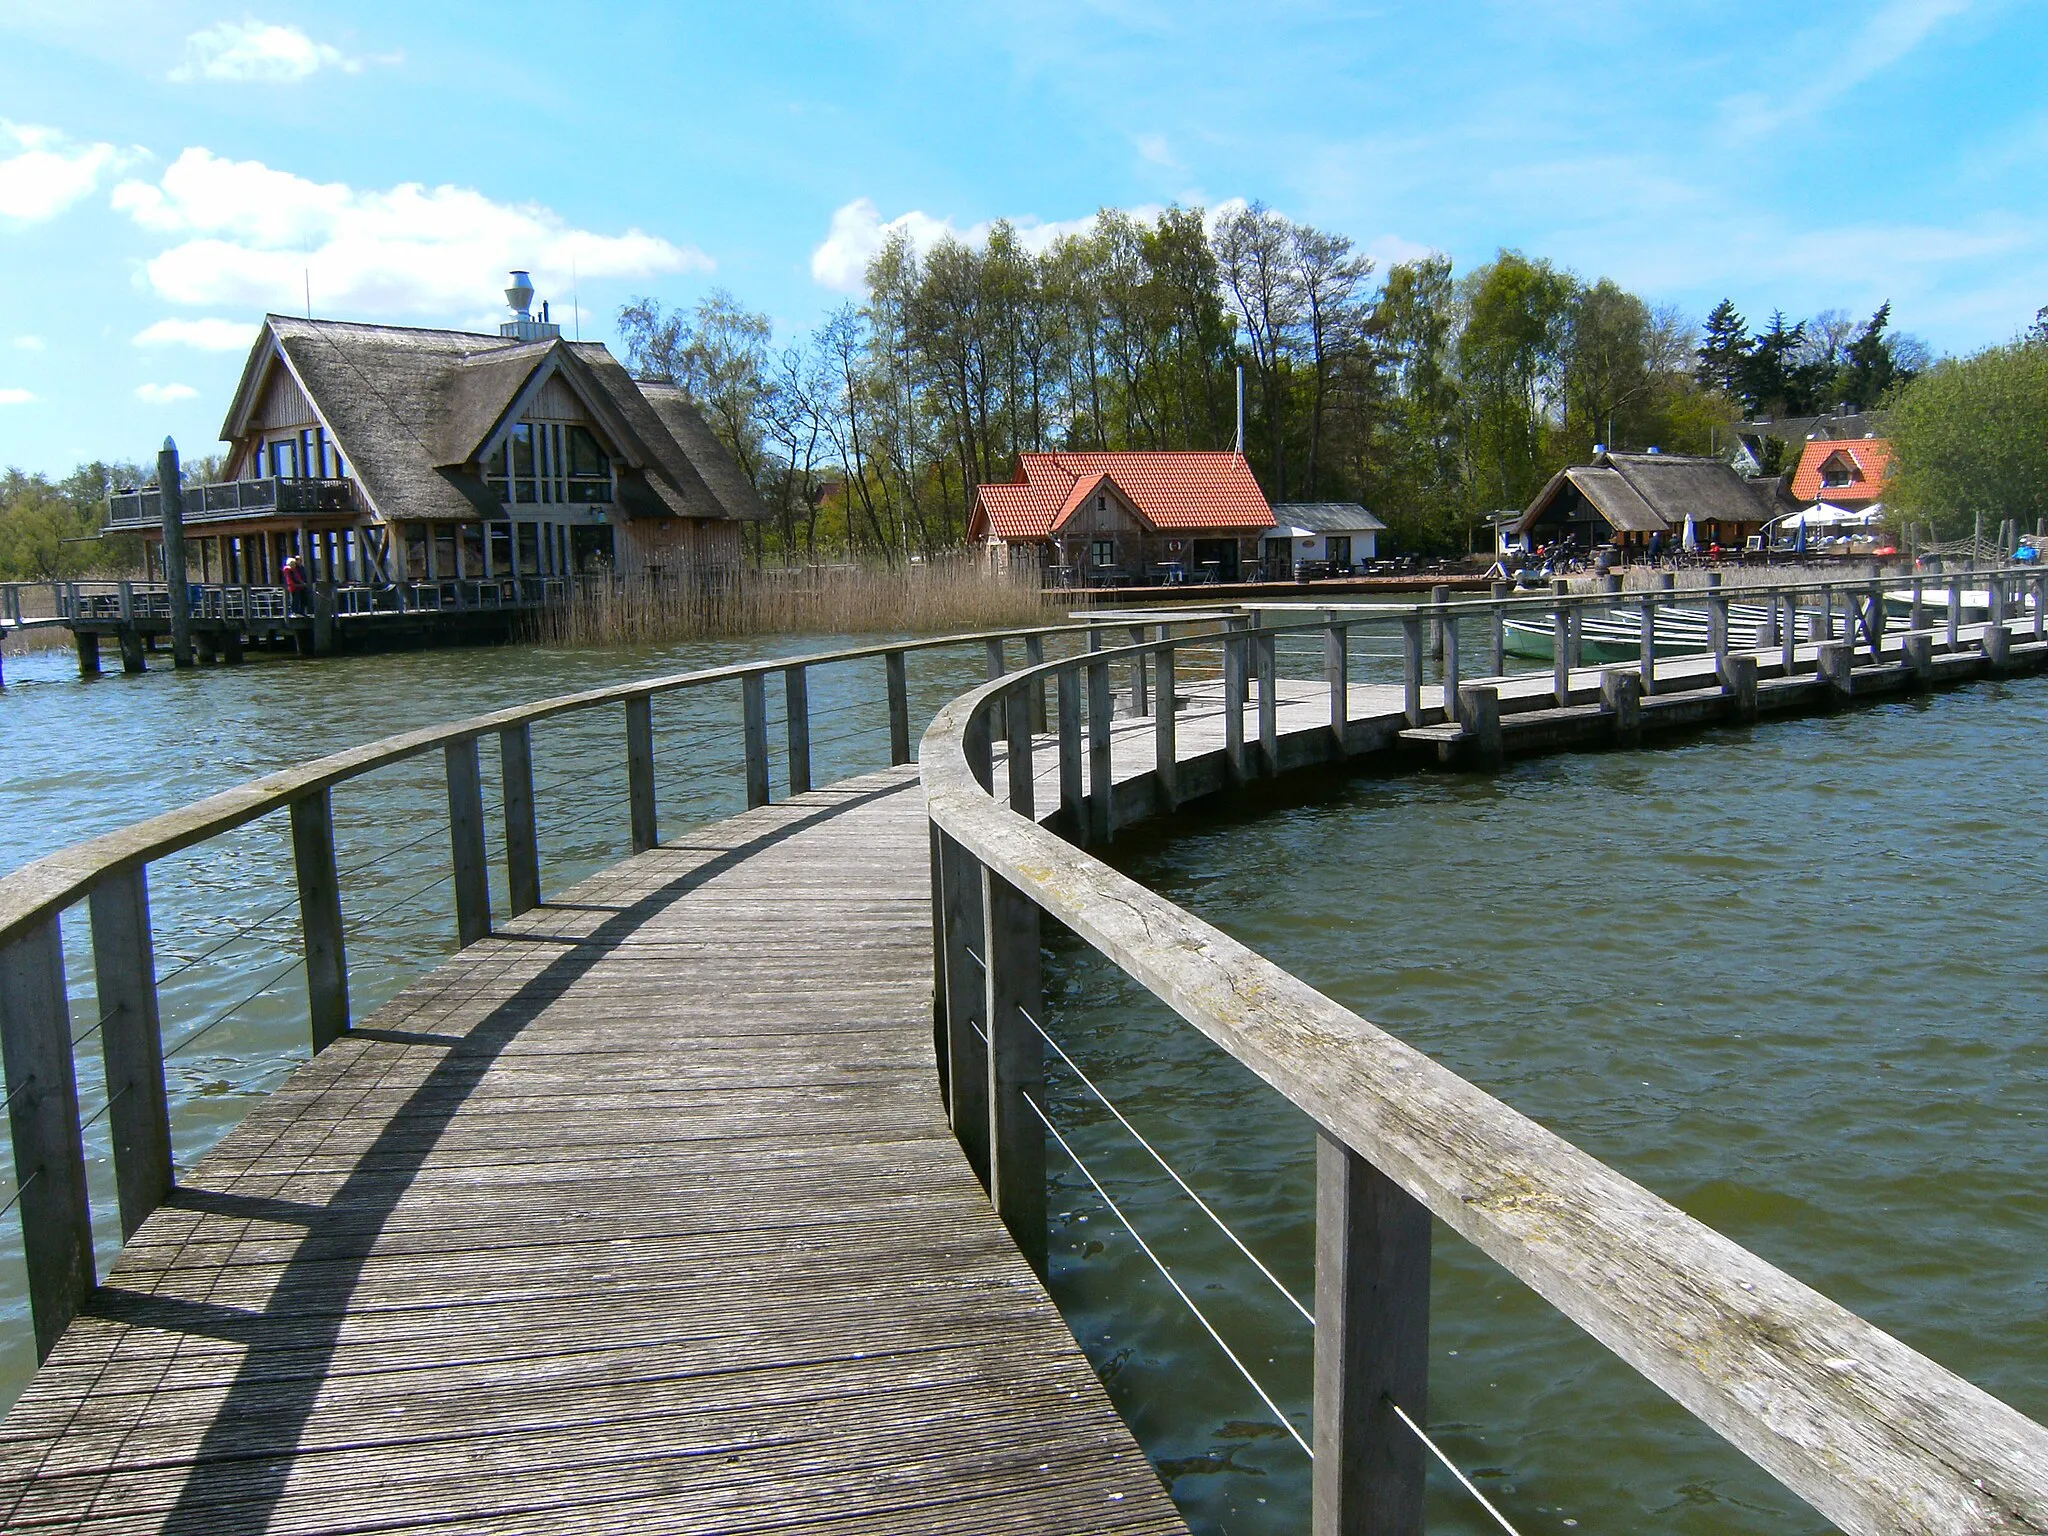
(522, 837)
(1497, 624)
(1371, 1349)
(1621, 695)
(1832, 664)
(641, 811)
(1955, 612)
(1917, 647)
(466, 843)
(170, 484)
(1337, 677)
(1717, 623)
(1649, 642)
(131, 1044)
(1453, 709)
(1789, 638)
(1139, 705)
(49, 1154)
(1996, 642)
(754, 733)
(1439, 598)
(1101, 775)
(1479, 712)
(996, 665)
(320, 911)
(1016, 1060)
(1916, 614)
(899, 708)
(1165, 759)
(1073, 791)
(796, 701)
(1738, 676)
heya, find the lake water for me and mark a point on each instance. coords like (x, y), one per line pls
(1790, 980)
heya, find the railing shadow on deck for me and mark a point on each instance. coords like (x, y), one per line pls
(1874, 1435)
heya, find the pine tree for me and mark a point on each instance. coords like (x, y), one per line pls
(1871, 368)
(1724, 344)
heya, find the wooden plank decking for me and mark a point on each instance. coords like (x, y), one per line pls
(642, 1215)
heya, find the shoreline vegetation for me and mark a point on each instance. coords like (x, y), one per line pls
(929, 597)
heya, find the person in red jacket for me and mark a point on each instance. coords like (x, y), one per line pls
(298, 590)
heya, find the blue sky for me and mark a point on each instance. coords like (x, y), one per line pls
(168, 172)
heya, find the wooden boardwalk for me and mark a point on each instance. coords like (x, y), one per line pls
(640, 1216)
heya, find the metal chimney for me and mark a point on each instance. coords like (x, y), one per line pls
(520, 295)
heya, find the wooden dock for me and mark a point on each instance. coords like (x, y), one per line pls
(641, 1215)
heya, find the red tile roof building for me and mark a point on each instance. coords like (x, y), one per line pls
(1844, 471)
(1122, 516)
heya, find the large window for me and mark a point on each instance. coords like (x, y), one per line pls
(1105, 552)
(551, 462)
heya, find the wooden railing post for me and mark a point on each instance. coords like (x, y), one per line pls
(131, 1044)
(796, 699)
(1916, 613)
(996, 666)
(1034, 656)
(754, 732)
(1337, 675)
(1371, 1349)
(1236, 666)
(1411, 667)
(2040, 582)
(42, 1112)
(966, 1002)
(1498, 622)
(1453, 707)
(1165, 748)
(522, 837)
(1017, 751)
(1717, 624)
(642, 813)
(899, 709)
(1649, 643)
(1138, 700)
(1014, 996)
(1073, 780)
(1955, 612)
(1264, 649)
(320, 912)
(466, 843)
(1560, 654)
(1101, 774)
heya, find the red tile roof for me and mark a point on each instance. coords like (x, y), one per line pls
(1872, 457)
(1170, 490)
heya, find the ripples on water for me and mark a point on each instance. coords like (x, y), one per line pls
(80, 758)
(1789, 980)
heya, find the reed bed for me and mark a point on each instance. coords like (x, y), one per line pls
(927, 598)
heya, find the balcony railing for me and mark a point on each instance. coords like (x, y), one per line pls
(272, 496)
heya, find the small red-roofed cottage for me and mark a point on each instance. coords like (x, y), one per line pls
(1842, 471)
(1102, 519)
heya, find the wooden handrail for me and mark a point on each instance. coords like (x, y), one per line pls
(1876, 1436)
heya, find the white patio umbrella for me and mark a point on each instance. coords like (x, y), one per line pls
(1689, 541)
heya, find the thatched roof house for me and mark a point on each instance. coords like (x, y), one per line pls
(1630, 498)
(384, 453)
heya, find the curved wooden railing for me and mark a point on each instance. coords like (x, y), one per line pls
(1874, 1435)
(109, 874)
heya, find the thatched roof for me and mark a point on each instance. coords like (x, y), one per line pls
(1650, 493)
(414, 410)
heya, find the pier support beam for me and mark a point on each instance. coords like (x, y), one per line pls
(88, 653)
(1371, 1350)
(1832, 666)
(1918, 649)
(1479, 712)
(1738, 680)
(133, 651)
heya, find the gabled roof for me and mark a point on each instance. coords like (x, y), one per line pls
(1168, 491)
(412, 410)
(1653, 492)
(1871, 458)
(1327, 517)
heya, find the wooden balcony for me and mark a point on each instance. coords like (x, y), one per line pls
(234, 500)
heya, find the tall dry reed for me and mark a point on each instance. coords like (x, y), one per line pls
(919, 599)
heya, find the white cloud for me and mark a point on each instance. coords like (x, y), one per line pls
(251, 236)
(206, 335)
(258, 50)
(1829, 67)
(48, 173)
(1153, 148)
(858, 232)
(165, 394)
(29, 343)
(15, 397)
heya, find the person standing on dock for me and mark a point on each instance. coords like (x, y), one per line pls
(297, 588)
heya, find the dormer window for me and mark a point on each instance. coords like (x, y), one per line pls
(1838, 473)
(550, 462)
